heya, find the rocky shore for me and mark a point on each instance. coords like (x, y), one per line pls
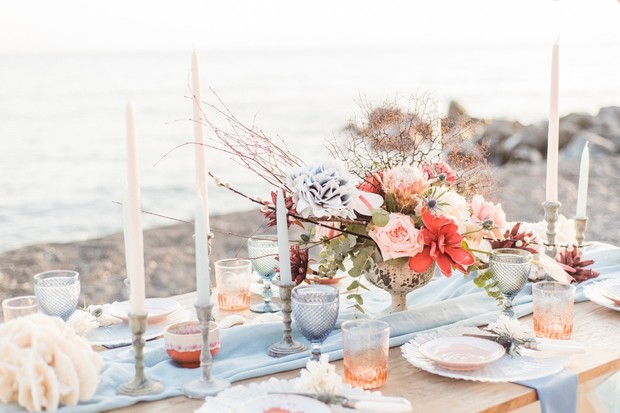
(169, 251)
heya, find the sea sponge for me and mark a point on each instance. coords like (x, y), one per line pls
(44, 363)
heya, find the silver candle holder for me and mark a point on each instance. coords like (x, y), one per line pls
(551, 216)
(287, 346)
(580, 230)
(206, 385)
(140, 385)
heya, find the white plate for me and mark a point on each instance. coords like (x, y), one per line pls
(462, 353)
(120, 335)
(157, 309)
(506, 369)
(593, 293)
(231, 399)
(282, 403)
(612, 292)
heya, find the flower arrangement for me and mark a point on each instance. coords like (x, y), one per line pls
(400, 188)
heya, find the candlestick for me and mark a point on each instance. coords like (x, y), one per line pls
(551, 216)
(580, 230)
(201, 222)
(134, 248)
(554, 127)
(283, 246)
(140, 385)
(287, 345)
(582, 191)
(206, 385)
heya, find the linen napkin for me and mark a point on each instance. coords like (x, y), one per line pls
(556, 393)
(444, 303)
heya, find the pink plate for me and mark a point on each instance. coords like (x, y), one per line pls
(461, 353)
(157, 308)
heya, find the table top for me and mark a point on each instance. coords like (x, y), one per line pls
(595, 326)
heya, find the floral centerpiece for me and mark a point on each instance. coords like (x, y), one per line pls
(400, 196)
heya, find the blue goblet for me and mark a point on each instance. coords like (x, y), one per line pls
(262, 251)
(315, 310)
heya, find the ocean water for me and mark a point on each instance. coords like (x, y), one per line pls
(62, 130)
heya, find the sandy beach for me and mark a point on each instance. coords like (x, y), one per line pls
(169, 251)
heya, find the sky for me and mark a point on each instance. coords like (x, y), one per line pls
(30, 26)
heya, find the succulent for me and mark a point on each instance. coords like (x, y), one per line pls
(572, 262)
(270, 213)
(515, 239)
(299, 263)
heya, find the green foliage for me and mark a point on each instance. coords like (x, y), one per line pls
(485, 280)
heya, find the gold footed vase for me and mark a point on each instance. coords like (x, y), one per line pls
(395, 277)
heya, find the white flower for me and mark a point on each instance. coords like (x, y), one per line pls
(320, 378)
(83, 322)
(453, 206)
(511, 328)
(323, 190)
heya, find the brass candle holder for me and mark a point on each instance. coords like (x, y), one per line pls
(580, 230)
(287, 346)
(140, 385)
(206, 385)
(551, 216)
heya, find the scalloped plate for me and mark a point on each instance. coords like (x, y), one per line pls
(593, 293)
(283, 403)
(531, 365)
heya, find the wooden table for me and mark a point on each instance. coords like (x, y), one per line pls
(595, 326)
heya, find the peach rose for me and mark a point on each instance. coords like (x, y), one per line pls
(399, 238)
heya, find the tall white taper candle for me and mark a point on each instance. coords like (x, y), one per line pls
(582, 191)
(134, 248)
(554, 126)
(201, 223)
(284, 258)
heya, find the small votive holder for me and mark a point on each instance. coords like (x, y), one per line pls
(553, 309)
(365, 345)
(287, 345)
(19, 307)
(140, 385)
(233, 277)
(206, 385)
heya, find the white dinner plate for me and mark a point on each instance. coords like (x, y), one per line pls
(157, 309)
(462, 353)
(282, 403)
(506, 369)
(120, 335)
(594, 294)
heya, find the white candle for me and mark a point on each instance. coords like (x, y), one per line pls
(582, 192)
(134, 248)
(283, 246)
(201, 222)
(554, 126)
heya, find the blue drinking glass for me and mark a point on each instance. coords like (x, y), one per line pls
(315, 311)
(262, 251)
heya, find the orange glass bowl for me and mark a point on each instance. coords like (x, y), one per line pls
(184, 342)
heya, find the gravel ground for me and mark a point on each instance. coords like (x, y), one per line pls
(169, 251)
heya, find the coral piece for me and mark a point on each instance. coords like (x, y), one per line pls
(571, 260)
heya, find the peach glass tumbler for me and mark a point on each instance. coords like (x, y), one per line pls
(365, 345)
(233, 277)
(553, 309)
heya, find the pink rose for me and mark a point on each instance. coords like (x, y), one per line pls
(399, 238)
(489, 216)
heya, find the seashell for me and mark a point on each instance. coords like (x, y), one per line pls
(231, 321)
